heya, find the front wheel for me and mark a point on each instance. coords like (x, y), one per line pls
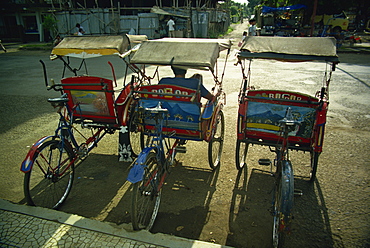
(146, 195)
(241, 154)
(216, 143)
(50, 180)
(283, 203)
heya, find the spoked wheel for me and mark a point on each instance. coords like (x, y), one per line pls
(145, 196)
(278, 237)
(136, 138)
(50, 180)
(216, 143)
(314, 163)
(241, 154)
(136, 141)
(283, 204)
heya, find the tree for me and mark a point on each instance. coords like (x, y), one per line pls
(50, 25)
(233, 10)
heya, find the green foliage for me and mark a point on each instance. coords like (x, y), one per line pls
(46, 46)
(215, 35)
(233, 10)
(49, 22)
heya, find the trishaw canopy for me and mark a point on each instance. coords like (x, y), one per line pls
(91, 46)
(185, 52)
(289, 48)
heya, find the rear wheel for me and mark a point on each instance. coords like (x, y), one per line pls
(216, 143)
(336, 30)
(241, 154)
(145, 196)
(314, 163)
(50, 180)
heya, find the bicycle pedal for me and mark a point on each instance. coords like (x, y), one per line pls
(298, 192)
(264, 161)
(180, 149)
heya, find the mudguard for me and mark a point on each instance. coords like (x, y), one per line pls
(137, 171)
(28, 161)
(287, 193)
(215, 110)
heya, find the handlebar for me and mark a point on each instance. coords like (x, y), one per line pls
(156, 110)
(45, 74)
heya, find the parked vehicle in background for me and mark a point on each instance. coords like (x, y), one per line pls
(333, 23)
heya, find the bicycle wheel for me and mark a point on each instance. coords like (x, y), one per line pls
(136, 138)
(50, 180)
(146, 196)
(283, 204)
(216, 143)
(241, 154)
(314, 163)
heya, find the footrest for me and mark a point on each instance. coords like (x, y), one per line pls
(180, 149)
(264, 161)
(298, 192)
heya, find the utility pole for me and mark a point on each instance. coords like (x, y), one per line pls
(313, 18)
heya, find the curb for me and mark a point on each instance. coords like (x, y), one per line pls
(11, 216)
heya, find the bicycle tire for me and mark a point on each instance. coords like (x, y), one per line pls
(215, 145)
(241, 154)
(145, 197)
(136, 138)
(42, 186)
(283, 204)
(314, 163)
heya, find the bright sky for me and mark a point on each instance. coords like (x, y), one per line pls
(241, 1)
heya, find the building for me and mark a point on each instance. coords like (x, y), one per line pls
(42, 20)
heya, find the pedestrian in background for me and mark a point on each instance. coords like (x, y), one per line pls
(245, 33)
(252, 30)
(79, 29)
(57, 40)
(171, 27)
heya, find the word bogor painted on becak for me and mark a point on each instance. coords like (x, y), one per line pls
(280, 96)
(170, 91)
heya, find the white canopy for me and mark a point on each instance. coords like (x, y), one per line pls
(185, 52)
(94, 46)
(290, 48)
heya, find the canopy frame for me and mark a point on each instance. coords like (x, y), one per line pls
(288, 49)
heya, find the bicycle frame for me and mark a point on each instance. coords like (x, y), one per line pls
(158, 143)
(284, 180)
(78, 150)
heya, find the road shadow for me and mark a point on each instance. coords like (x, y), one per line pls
(185, 201)
(250, 220)
(100, 190)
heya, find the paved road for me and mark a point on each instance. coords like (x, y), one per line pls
(343, 177)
